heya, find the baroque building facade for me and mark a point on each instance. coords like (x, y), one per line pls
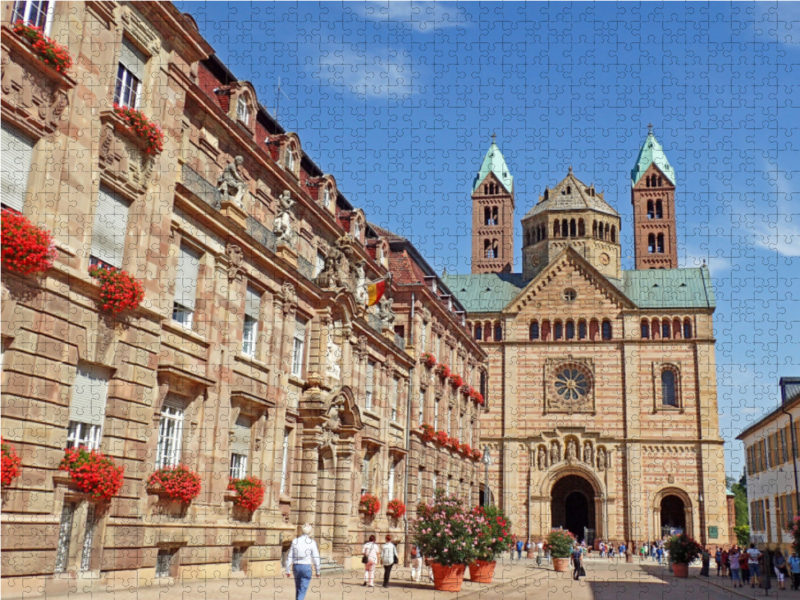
(253, 353)
(602, 413)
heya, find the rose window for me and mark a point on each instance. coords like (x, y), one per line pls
(571, 384)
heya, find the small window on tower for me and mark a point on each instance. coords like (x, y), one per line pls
(659, 210)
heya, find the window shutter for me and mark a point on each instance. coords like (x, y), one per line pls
(174, 402)
(252, 303)
(241, 435)
(132, 59)
(300, 328)
(110, 227)
(186, 276)
(16, 164)
(370, 377)
(89, 395)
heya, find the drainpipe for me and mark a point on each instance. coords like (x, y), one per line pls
(408, 462)
(794, 450)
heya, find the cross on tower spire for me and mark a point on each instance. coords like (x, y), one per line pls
(494, 137)
(649, 128)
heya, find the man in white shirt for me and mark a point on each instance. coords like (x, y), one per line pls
(302, 555)
(755, 554)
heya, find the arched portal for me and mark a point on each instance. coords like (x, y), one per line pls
(573, 507)
(673, 515)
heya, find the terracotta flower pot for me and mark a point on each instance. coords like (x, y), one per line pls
(448, 579)
(680, 569)
(481, 571)
(561, 565)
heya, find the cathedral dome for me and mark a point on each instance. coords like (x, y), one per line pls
(571, 194)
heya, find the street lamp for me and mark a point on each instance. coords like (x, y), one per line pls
(487, 460)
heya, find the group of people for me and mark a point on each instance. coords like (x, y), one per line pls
(655, 551)
(745, 566)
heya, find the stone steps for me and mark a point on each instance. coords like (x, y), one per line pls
(329, 566)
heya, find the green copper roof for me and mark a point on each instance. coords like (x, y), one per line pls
(652, 152)
(647, 289)
(494, 162)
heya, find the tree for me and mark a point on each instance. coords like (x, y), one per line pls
(739, 490)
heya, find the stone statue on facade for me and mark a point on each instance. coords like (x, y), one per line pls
(555, 453)
(361, 285)
(572, 451)
(588, 457)
(231, 184)
(385, 312)
(542, 459)
(601, 459)
(283, 220)
(333, 354)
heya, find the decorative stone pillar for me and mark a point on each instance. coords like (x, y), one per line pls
(343, 499)
(307, 488)
(347, 364)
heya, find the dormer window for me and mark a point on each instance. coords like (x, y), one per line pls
(357, 232)
(242, 112)
(289, 160)
(326, 196)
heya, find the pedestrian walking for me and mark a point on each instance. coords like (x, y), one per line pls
(389, 558)
(779, 565)
(520, 545)
(416, 564)
(794, 570)
(576, 558)
(718, 560)
(539, 552)
(659, 554)
(370, 558)
(733, 558)
(303, 554)
(744, 564)
(724, 563)
(706, 562)
(754, 554)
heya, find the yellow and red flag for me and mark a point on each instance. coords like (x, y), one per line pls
(375, 291)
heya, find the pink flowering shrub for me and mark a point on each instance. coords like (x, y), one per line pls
(446, 532)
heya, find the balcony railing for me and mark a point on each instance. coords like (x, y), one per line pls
(261, 234)
(197, 184)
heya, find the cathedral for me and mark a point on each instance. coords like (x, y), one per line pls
(601, 393)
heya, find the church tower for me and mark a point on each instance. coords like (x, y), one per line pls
(653, 199)
(493, 215)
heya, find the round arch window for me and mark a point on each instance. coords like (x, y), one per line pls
(569, 295)
(571, 384)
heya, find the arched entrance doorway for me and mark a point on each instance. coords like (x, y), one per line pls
(572, 506)
(673, 515)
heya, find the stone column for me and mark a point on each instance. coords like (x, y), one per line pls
(343, 498)
(347, 364)
(307, 488)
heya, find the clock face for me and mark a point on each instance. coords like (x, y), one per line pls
(605, 258)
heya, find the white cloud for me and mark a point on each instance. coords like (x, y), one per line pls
(391, 75)
(425, 17)
(774, 226)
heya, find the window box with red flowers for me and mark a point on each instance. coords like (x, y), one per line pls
(428, 432)
(456, 380)
(10, 465)
(396, 509)
(465, 449)
(441, 438)
(27, 249)
(46, 50)
(453, 443)
(428, 359)
(477, 454)
(249, 493)
(93, 473)
(443, 370)
(369, 505)
(177, 483)
(141, 128)
(119, 290)
(476, 395)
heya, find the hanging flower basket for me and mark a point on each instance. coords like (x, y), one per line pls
(465, 449)
(465, 389)
(142, 128)
(428, 432)
(369, 505)
(45, 49)
(477, 454)
(93, 473)
(428, 359)
(249, 493)
(456, 381)
(476, 396)
(119, 290)
(443, 371)
(27, 249)
(178, 483)
(454, 444)
(11, 463)
(441, 438)
(396, 509)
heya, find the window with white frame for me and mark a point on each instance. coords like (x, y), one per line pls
(436, 414)
(240, 446)
(299, 348)
(15, 160)
(421, 414)
(395, 393)
(449, 420)
(392, 469)
(370, 384)
(326, 197)
(110, 227)
(285, 460)
(130, 74)
(252, 306)
(170, 432)
(435, 481)
(87, 410)
(38, 13)
(357, 231)
(319, 265)
(186, 274)
(289, 161)
(242, 111)
(365, 463)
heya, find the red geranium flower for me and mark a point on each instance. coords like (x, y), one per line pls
(142, 128)
(119, 290)
(396, 509)
(369, 504)
(11, 463)
(27, 249)
(93, 473)
(178, 482)
(250, 493)
(46, 49)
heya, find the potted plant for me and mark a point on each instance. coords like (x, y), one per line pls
(494, 538)
(11, 462)
(27, 249)
(93, 473)
(446, 534)
(369, 504)
(428, 359)
(178, 483)
(45, 49)
(441, 438)
(428, 432)
(119, 290)
(456, 380)
(454, 444)
(443, 370)
(560, 543)
(682, 551)
(249, 493)
(396, 509)
(142, 128)
(477, 454)
(465, 449)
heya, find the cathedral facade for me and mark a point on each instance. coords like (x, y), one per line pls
(602, 404)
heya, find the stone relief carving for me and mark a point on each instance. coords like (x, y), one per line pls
(385, 312)
(601, 459)
(333, 355)
(235, 261)
(555, 453)
(588, 454)
(283, 220)
(231, 184)
(569, 384)
(542, 458)
(361, 294)
(572, 451)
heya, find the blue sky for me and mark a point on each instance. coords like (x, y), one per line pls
(399, 100)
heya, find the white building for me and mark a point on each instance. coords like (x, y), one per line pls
(771, 449)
